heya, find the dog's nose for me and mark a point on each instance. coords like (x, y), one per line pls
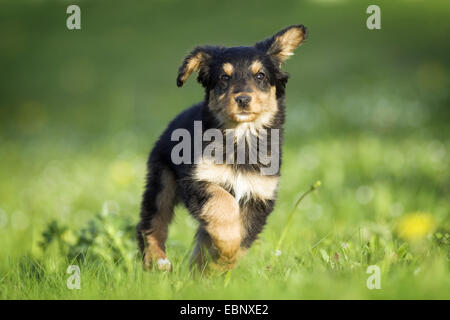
(243, 100)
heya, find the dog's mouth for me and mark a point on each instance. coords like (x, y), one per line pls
(244, 116)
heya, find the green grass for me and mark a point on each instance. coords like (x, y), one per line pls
(368, 115)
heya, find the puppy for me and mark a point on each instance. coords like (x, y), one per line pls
(221, 157)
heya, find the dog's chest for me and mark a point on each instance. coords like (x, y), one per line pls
(245, 185)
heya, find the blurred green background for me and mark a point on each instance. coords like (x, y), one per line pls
(367, 114)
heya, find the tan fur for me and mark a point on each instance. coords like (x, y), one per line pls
(263, 107)
(193, 65)
(156, 237)
(228, 68)
(222, 222)
(244, 184)
(268, 104)
(288, 41)
(256, 66)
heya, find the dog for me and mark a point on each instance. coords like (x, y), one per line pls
(231, 200)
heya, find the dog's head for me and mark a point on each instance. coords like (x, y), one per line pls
(243, 83)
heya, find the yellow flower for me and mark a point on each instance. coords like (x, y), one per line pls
(415, 226)
(122, 173)
(69, 237)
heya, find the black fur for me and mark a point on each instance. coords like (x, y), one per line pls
(190, 191)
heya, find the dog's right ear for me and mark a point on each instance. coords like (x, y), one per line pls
(198, 60)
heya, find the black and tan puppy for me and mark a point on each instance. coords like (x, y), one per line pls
(221, 157)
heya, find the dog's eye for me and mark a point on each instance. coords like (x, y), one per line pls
(224, 77)
(260, 76)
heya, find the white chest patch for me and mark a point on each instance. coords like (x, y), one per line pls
(245, 185)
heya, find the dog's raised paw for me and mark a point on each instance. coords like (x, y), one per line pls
(164, 264)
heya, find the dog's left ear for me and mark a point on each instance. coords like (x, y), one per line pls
(198, 60)
(282, 45)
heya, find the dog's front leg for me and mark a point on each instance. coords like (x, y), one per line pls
(220, 233)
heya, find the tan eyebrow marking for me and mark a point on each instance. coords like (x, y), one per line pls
(256, 66)
(228, 68)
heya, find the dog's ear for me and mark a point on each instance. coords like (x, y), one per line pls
(198, 60)
(282, 45)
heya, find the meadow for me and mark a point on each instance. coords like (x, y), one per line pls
(368, 116)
